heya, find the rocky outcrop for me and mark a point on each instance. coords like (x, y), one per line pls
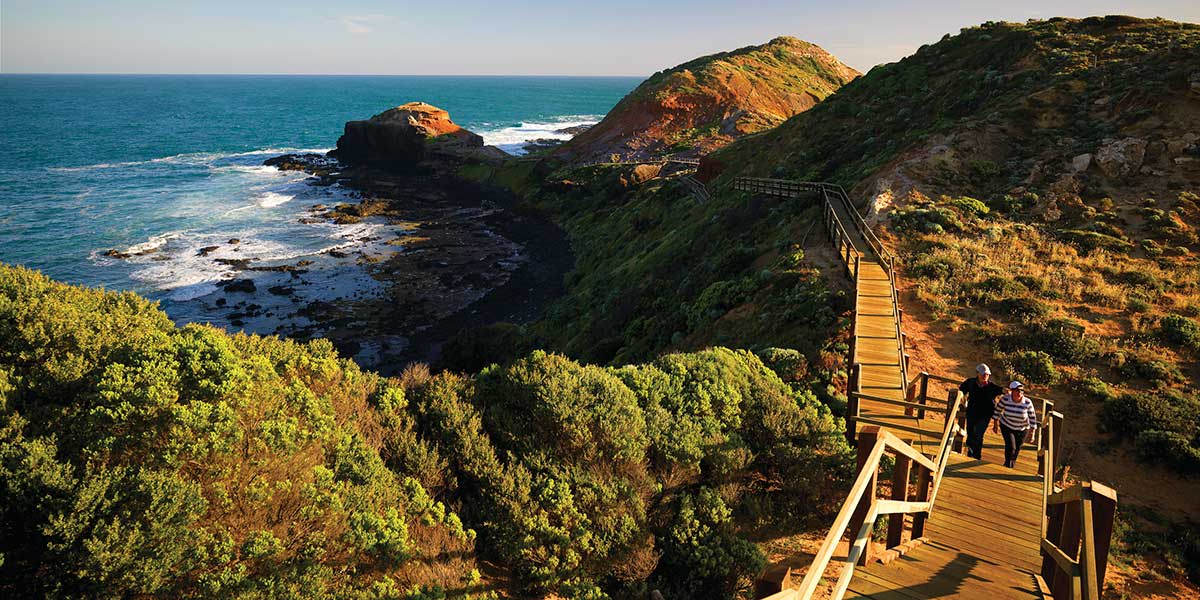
(408, 134)
(708, 102)
(1120, 158)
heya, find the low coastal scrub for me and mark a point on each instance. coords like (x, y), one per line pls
(1107, 323)
(138, 458)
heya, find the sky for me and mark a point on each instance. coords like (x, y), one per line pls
(481, 37)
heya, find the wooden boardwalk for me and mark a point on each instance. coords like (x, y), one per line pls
(983, 535)
(984, 532)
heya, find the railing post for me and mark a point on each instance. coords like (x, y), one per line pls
(857, 261)
(1054, 528)
(924, 394)
(1089, 587)
(910, 396)
(900, 477)
(1067, 585)
(924, 479)
(853, 386)
(1104, 511)
(866, 442)
(1057, 419)
(951, 402)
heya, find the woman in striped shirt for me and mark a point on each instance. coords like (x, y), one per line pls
(1016, 419)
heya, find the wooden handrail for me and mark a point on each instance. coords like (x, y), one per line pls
(1077, 525)
(885, 440)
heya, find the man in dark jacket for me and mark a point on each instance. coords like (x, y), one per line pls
(981, 404)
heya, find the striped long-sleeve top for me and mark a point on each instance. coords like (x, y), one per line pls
(1015, 415)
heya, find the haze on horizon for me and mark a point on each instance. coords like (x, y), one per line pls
(476, 37)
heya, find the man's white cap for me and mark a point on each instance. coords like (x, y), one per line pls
(1016, 385)
(982, 369)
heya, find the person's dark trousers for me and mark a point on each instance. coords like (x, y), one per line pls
(1012, 444)
(975, 430)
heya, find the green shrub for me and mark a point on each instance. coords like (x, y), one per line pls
(970, 206)
(790, 365)
(1132, 413)
(1063, 339)
(1172, 448)
(1137, 305)
(1026, 308)
(718, 298)
(1034, 366)
(1152, 368)
(142, 459)
(1180, 331)
(702, 556)
(982, 169)
(1095, 389)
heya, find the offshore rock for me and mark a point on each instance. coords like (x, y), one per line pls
(403, 136)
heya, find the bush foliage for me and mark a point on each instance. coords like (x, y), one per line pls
(138, 458)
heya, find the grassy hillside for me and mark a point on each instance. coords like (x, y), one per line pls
(142, 459)
(1041, 182)
(707, 102)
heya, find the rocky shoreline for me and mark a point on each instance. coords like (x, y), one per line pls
(418, 254)
(469, 260)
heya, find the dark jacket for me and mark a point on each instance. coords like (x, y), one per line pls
(981, 399)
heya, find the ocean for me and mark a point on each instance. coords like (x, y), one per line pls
(155, 183)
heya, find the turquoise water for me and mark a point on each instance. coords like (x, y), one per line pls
(162, 166)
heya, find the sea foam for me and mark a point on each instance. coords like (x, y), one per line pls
(512, 139)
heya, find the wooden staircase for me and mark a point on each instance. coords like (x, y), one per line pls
(957, 527)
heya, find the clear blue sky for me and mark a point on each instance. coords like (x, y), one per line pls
(496, 37)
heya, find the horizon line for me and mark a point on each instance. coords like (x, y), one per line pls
(54, 73)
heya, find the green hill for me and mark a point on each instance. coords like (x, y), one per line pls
(709, 101)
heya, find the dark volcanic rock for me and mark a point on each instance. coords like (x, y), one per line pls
(205, 251)
(574, 130)
(239, 285)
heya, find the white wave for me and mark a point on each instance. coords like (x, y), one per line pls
(154, 243)
(251, 169)
(271, 199)
(238, 209)
(512, 139)
(191, 158)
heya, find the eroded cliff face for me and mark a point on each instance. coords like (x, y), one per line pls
(407, 134)
(706, 103)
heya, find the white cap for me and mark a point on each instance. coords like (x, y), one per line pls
(983, 369)
(1016, 385)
